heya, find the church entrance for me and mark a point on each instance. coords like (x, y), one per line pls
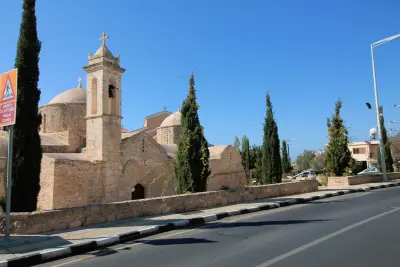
(137, 192)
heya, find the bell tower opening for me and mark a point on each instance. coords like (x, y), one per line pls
(112, 97)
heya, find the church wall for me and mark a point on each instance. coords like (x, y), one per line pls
(173, 133)
(176, 132)
(45, 197)
(226, 171)
(155, 121)
(77, 183)
(63, 117)
(162, 134)
(65, 122)
(144, 161)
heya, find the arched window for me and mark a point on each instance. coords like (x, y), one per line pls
(94, 96)
(142, 145)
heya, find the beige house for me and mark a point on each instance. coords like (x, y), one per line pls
(88, 158)
(366, 151)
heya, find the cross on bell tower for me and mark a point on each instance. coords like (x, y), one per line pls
(103, 38)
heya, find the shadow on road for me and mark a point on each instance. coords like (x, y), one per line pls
(325, 202)
(261, 223)
(157, 242)
(175, 241)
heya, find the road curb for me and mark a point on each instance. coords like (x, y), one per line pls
(72, 250)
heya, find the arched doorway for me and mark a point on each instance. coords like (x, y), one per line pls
(137, 192)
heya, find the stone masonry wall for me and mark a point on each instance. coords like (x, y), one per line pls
(45, 197)
(360, 179)
(76, 183)
(63, 117)
(226, 171)
(42, 222)
(144, 161)
(155, 121)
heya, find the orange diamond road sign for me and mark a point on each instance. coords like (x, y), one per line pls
(8, 97)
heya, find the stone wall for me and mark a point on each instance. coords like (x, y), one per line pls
(226, 169)
(69, 180)
(46, 221)
(63, 117)
(154, 121)
(360, 179)
(170, 132)
(145, 162)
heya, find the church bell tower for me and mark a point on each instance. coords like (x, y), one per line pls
(103, 115)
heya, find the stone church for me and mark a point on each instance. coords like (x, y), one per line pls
(89, 159)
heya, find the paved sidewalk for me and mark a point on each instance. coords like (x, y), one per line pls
(27, 250)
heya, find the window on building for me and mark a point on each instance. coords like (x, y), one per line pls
(142, 145)
(360, 150)
(166, 139)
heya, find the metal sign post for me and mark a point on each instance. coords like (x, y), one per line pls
(9, 181)
(8, 109)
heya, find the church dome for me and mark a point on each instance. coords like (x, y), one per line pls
(172, 120)
(104, 51)
(76, 95)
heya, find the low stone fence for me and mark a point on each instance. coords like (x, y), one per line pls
(360, 179)
(47, 221)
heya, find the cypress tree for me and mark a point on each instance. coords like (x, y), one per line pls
(271, 157)
(192, 161)
(27, 153)
(286, 166)
(387, 146)
(236, 144)
(338, 155)
(256, 163)
(245, 153)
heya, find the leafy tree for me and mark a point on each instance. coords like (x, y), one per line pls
(387, 147)
(192, 157)
(338, 155)
(286, 164)
(303, 161)
(246, 153)
(271, 157)
(318, 162)
(236, 143)
(357, 166)
(27, 151)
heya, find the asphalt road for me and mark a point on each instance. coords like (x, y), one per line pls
(352, 230)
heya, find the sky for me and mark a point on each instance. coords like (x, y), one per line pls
(307, 54)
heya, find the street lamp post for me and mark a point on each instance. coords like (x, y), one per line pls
(381, 145)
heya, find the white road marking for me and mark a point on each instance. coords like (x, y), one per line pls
(322, 239)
